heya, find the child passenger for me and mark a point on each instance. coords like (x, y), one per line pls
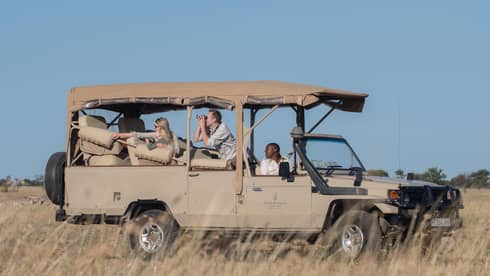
(162, 137)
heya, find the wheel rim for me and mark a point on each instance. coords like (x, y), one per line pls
(151, 237)
(352, 240)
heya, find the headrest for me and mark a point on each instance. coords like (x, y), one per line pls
(131, 124)
(92, 121)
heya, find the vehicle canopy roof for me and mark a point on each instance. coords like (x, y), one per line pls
(157, 97)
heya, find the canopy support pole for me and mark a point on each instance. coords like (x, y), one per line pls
(114, 120)
(300, 117)
(300, 122)
(262, 119)
(322, 119)
(188, 140)
(240, 157)
(253, 114)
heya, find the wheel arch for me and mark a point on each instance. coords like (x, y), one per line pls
(141, 205)
(340, 206)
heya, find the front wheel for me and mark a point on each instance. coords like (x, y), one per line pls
(355, 233)
(151, 232)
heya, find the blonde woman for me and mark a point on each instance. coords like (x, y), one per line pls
(162, 137)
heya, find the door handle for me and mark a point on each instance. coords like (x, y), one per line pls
(257, 189)
(193, 174)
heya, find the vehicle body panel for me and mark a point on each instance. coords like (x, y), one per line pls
(110, 190)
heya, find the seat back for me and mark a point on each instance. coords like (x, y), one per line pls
(131, 124)
(95, 139)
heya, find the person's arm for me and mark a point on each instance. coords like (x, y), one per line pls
(204, 136)
(126, 135)
(202, 130)
(143, 135)
(197, 134)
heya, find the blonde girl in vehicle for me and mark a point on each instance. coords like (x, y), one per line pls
(161, 138)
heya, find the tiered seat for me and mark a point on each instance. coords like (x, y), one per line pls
(96, 143)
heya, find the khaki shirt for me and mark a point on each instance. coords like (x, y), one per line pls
(223, 140)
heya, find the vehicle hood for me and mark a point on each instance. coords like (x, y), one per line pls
(400, 182)
(378, 186)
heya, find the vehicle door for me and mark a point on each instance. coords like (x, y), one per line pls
(272, 202)
(211, 198)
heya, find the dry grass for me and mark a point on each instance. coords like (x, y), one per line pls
(32, 243)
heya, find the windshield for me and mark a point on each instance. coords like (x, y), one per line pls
(331, 153)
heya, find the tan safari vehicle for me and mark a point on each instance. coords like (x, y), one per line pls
(323, 190)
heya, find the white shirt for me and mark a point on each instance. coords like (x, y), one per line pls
(270, 167)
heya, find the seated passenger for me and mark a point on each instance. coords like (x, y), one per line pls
(270, 165)
(214, 133)
(163, 137)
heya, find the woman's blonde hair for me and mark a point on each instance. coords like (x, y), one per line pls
(163, 129)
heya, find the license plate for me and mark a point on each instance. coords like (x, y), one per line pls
(440, 222)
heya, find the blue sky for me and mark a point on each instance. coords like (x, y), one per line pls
(428, 59)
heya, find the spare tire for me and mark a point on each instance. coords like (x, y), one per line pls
(54, 178)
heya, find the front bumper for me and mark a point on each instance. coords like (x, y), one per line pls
(427, 209)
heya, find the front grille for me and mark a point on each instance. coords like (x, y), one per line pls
(428, 197)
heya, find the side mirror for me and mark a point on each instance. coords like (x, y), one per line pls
(410, 176)
(358, 180)
(285, 171)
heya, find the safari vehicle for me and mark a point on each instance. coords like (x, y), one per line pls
(324, 190)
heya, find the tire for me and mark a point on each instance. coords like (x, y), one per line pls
(355, 233)
(54, 178)
(151, 233)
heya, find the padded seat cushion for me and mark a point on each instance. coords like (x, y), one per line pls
(210, 164)
(107, 160)
(91, 148)
(161, 155)
(101, 137)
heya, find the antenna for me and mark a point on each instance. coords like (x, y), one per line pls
(399, 132)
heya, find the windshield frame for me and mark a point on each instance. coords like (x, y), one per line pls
(337, 138)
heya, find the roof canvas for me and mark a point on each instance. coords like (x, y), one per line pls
(221, 94)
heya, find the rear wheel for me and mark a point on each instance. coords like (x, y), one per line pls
(151, 233)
